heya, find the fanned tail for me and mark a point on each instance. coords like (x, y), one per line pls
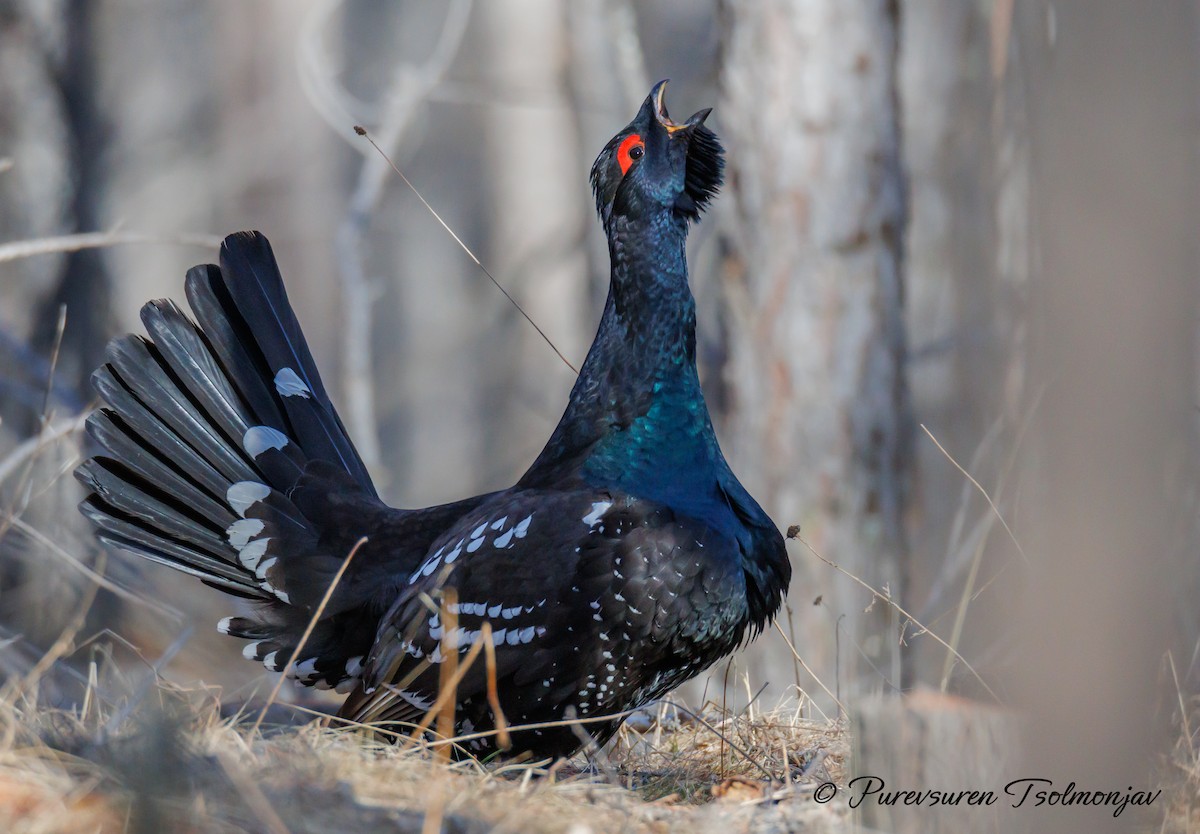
(216, 434)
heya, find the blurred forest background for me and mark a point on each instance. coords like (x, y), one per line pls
(954, 233)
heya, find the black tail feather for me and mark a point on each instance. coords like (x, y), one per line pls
(233, 343)
(256, 287)
(154, 434)
(107, 429)
(194, 366)
(139, 364)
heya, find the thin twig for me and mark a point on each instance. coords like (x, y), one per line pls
(889, 601)
(16, 250)
(94, 576)
(312, 623)
(800, 660)
(60, 328)
(31, 447)
(362, 131)
(65, 638)
(700, 720)
(410, 85)
(982, 492)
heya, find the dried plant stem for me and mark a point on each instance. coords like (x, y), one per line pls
(493, 694)
(17, 250)
(889, 601)
(448, 676)
(312, 623)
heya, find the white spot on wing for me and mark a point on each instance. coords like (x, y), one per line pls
(289, 384)
(245, 494)
(258, 439)
(523, 526)
(504, 539)
(598, 510)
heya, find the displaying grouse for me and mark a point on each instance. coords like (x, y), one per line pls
(626, 560)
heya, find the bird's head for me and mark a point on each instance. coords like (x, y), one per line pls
(655, 165)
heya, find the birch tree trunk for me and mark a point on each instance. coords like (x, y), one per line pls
(819, 423)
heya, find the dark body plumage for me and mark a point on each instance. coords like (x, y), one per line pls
(627, 559)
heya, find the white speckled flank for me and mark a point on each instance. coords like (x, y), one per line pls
(289, 384)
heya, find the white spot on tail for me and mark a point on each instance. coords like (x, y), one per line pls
(258, 439)
(269, 661)
(250, 650)
(598, 510)
(242, 531)
(251, 553)
(224, 624)
(344, 686)
(289, 384)
(245, 494)
(354, 666)
(305, 669)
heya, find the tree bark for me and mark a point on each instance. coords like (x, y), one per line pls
(820, 424)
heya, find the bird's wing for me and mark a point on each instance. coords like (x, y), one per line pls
(596, 600)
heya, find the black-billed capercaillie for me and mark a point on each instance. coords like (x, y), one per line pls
(626, 560)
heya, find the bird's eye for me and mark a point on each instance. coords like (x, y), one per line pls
(631, 149)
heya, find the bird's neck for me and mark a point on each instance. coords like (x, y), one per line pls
(637, 418)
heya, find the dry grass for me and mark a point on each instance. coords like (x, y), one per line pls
(1181, 768)
(172, 762)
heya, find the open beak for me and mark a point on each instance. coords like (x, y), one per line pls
(659, 94)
